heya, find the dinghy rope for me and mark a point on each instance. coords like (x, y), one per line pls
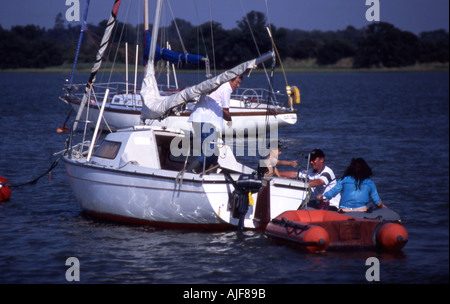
(296, 228)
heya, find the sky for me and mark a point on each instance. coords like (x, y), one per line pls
(411, 15)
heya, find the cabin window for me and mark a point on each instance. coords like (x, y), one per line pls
(108, 149)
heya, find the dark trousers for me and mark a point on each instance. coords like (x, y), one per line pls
(207, 143)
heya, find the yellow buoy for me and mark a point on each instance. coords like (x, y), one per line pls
(295, 94)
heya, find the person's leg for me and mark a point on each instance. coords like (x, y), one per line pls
(208, 140)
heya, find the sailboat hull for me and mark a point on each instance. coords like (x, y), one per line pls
(130, 180)
(244, 119)
(146, 198)
(163, 201)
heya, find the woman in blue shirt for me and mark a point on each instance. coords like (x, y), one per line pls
(356, 188)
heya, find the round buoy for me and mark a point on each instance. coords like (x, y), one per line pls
(5, 190)
(392, 237)
(62, 129)
(319, 237)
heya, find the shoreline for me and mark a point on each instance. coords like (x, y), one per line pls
(302, 67)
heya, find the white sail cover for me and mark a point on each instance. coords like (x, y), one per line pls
(156, 106)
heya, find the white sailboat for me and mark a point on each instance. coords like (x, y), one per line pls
(250, 108)
(135, 176)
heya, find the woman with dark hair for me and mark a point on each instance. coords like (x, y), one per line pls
(356, 188)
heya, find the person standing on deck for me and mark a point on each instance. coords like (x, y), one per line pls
(207, 118)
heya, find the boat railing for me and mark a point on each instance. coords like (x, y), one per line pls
(120, 94)
(252, 97)
(115, 88)
(123, 95)
(77, 150)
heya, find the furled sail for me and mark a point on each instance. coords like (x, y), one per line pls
(156, 106)
(168, 55)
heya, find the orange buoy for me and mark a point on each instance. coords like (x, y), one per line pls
(317, 236)
(392, 237)
(5, 190)
(62, 129)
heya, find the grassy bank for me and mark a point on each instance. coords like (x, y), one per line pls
(346, 66)
(289, 65)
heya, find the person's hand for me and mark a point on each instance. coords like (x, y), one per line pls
(381, 205)
(294, 163)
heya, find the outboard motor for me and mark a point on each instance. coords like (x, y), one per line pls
(239, 200)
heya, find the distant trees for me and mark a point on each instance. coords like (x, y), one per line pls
(28, 47)
(377, 45)
(332, 51)
(434, 46)
(385, 45)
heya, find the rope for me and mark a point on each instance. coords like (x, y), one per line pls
(278, 55)
(54, 164)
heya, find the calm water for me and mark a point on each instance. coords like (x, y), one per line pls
(399, 122)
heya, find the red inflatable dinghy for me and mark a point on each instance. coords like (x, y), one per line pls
(321, 230)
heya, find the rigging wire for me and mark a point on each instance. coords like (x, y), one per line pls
(278, 55)
(120, 40)
(200, 28)
(256, 43)
(212, 37)
(176, 27)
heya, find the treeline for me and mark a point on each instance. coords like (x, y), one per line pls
(377, 45)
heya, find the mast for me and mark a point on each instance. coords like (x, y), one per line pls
(99, 58)
(151, 57)
(83, 29)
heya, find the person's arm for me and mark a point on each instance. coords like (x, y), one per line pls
(292, 163)
(375, 196)
(332, 192)
(227, 117)
(275, 171)
(226, 114)
(316, 183)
